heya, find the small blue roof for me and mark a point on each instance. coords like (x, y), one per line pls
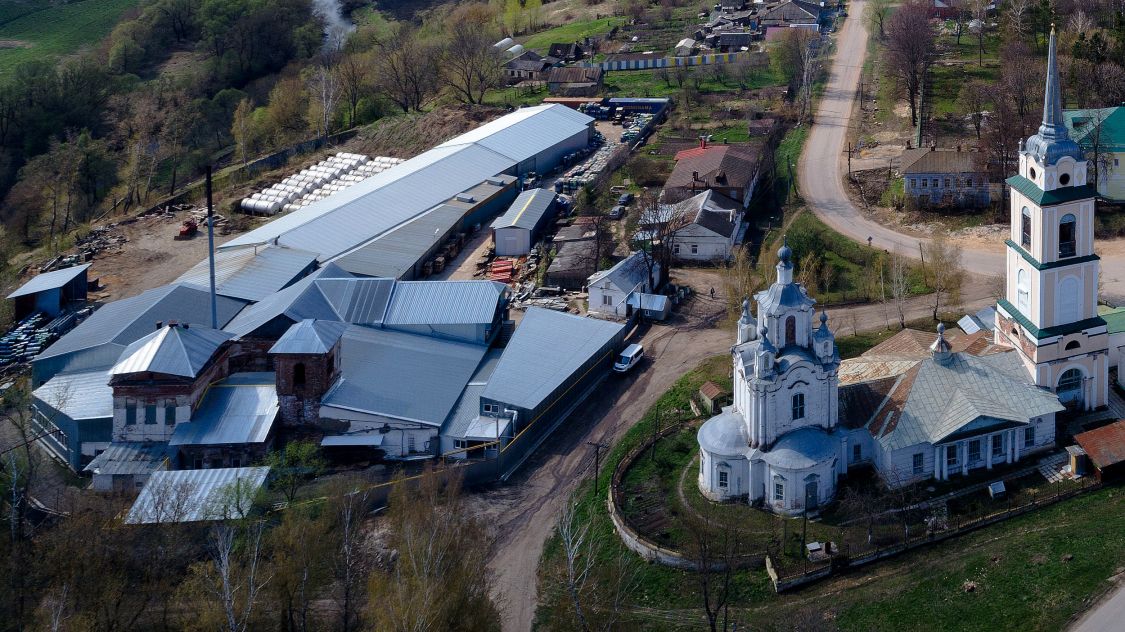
(195, 495)
(802, 449)
(310, 337)
(238, 410)
(50, 280)
(724, 434)
(527, 210)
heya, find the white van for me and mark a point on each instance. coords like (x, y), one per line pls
(629, 358)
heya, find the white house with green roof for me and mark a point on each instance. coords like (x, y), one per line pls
(1100, 133)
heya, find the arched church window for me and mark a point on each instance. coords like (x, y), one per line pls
(1068, 235)
(1025, 228)
(798, 406)
(1023, 292)
(1072, 345)
(790, 331)
(1070, 381)
(1069, 305)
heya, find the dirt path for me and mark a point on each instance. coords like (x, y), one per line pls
(824, 154)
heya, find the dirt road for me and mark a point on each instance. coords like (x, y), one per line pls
(824, 154)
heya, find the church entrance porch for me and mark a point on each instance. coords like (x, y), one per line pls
(1070, 389)
(981, 451)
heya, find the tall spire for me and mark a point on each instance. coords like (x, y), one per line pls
(1052, 142)
(1052, 127)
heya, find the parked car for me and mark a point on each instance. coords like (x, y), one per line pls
(617, 213)
(629, 357)
(626, 199)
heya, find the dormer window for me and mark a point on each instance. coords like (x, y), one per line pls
(1067, 236)
(1025, 228)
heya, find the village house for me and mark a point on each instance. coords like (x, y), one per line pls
(575, 81)
(731, 170)
(944, 177)
(611, 289)
(568, 53)
(528, 66)
(712, 224)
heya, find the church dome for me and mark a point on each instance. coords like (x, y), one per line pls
(724, 434)
(802, 449)
(785, 253)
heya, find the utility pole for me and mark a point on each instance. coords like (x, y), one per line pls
(211, 251)
(849, 160)
(597, 461)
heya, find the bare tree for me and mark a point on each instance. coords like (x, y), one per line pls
(400, 75)
(240, 128)
(351, 560)
(659, 224)
(877, 13)
(911, 48)
(235, 580)
(469, 61)
(1017, 16)
(944, 272)
(353, 71)
(324, 85)
(971, 101)
(980, 17)
(578, 552)
(595, 587)
(900, 287)
(1095, 142)
(714, 545)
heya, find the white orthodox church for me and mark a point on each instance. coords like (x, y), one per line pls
(922, 406)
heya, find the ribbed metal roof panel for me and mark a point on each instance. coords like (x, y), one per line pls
(131, 457)
(394, 254)
(49, 280)
(251, 273)
(171, 350)
(295, 301)
(196, 495)
(468, 406)
(372, 207)
(527, 210)
(84, 395)
(400, 375)
(527, 131)
(310, 336)
(362, 301)
(544, 352)
(444, 302)
(127, 320)
(232, 413)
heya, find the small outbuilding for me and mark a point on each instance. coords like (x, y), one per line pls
(1105, 447)
(519, 227)
(713, 396)
(51, 292)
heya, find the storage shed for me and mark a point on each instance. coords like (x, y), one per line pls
(1105, 448)
(519, 227)
(51, 292)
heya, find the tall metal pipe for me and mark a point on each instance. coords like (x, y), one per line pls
(211, 251)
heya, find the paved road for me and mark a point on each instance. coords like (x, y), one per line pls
(821, 171)
(1107, 616)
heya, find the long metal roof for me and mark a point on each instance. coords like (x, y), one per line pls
(171, 350)
(527, 210)
(400, 375)
(291, 302)
(394, 254)
(251, 273)
(196, 495)
(239, 410)
(527, 131)
(131, 457)
(127, 320)
(544, 352)
(372, 207)
(468, 406)
(82, 395)
(444, 302)
(310, 337)
(49, 280)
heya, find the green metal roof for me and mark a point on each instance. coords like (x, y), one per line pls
(1082, 123)
(1049, 332)
(1114, 320)
(1069, 261)
(1050, 198)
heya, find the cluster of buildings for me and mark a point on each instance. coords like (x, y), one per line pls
(319, 327)
(920, 406)
(734, 26)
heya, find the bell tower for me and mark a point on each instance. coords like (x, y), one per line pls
(1049, 313)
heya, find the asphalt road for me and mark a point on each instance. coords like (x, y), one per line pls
(1107, 616)
(821, 171)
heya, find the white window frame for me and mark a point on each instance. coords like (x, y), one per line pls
(724, 479)
(778, 491)
(1029, 436)
(798, 406)
(918, 462)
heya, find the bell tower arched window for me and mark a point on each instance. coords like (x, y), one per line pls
(790, 331)
(1025, 228)
(1068, 236)
(1023, 292)
(299, 374)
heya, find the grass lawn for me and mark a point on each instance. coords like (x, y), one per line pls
(1030, 573)
(571, 32)
(59, 30)
(650, 83)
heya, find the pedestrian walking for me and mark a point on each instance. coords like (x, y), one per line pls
(712, 294)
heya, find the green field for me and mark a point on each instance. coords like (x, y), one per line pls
(571, 32)
(57, 30)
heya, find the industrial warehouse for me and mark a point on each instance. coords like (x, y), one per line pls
(318, 327)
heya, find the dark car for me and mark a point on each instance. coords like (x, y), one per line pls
(625, 199)
(617, 213)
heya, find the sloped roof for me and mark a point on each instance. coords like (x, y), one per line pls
(939, 161)
(527, 210)
(1114, 320)
(716, 165)
(575, 74)
(444, 302)
(197, 495)
(79, 395)
(250, 273)
(802, 449)
(49, 280)
(400, 375)
(1106, 445)
(240, 409)
(626, 274)
(711, 210)
(1083, 126)
(310, 336)
(291, 302)
(171, 350)
(792, 12)
(125, 321)
(546, 350)
(131, 457)
(468, 406)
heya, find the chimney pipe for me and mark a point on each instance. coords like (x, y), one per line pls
(211, 251)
